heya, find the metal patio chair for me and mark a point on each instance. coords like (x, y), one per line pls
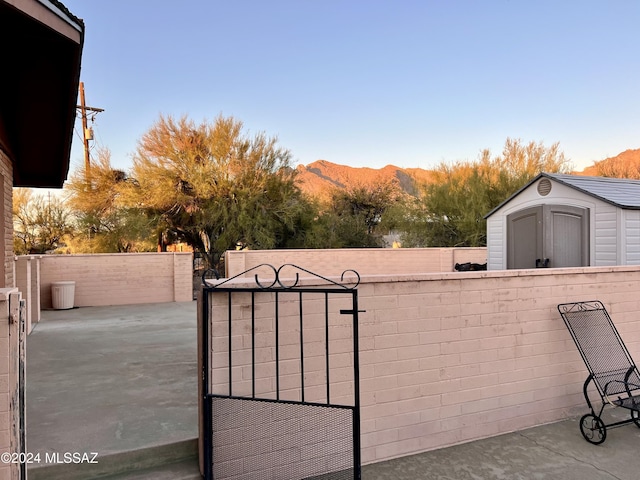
(611, 368)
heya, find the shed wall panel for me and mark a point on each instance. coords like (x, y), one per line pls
(605, 236)
(496, 238)
(631, 237)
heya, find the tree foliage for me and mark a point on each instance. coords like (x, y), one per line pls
(618, 167)
(104, 221)
(40, 223)
(356, 216)
(452, 207)
(216, 187)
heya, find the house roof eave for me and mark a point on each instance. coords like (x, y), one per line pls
(39, 97)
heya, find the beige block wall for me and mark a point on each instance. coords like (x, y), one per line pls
(6, 176)
(6, 246)
(367, 261)
(27, 280)
(448, 358)
(119, 279)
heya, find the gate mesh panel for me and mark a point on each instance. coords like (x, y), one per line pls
(264, 440)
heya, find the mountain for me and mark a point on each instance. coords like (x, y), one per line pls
(623, 165)
(320, 178)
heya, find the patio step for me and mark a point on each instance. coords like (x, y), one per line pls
(176, 461)
(187, 470)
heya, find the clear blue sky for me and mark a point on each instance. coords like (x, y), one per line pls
(369, 82)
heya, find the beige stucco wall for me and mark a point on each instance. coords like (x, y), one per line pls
(446, 358)
(367, 261)
(119, 279)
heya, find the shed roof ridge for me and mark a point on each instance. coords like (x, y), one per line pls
(591, 178)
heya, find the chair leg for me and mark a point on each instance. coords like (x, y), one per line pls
(635, 416)
(593, 429)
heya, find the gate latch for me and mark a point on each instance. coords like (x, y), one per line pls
(351, 312)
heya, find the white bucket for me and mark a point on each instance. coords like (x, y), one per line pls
(62, 295)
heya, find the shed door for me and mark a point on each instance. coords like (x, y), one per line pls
(524, 238)
(566, 232)
(548, 236)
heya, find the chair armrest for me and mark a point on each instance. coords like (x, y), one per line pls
(626, 386)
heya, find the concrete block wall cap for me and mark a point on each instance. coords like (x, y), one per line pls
(5, 292)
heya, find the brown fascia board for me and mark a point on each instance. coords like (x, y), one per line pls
(53, 14)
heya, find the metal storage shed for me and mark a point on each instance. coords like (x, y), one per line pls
(561, 220)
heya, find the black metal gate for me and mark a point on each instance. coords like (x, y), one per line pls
(280, 376)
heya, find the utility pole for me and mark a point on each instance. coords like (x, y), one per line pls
(86, 133)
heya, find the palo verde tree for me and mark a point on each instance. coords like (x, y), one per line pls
(357, 212)
(451, 209)
(215, 187)
(40, 223)
(104, 221)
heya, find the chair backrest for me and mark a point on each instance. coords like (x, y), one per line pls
(601, 347)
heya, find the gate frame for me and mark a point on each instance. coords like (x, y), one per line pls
(276, 285)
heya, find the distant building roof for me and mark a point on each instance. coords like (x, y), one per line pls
(621, 192)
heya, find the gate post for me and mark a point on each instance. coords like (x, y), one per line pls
(204, 406)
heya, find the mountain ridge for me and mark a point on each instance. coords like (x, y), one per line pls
(624, 165)
(321, 177)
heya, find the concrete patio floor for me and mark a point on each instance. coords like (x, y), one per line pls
(113, 380)
(122, 381)
(555, 451)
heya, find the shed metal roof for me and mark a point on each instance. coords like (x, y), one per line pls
(621, 192)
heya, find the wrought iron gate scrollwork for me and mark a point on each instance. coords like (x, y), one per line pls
(277, 277)
(280, 375)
